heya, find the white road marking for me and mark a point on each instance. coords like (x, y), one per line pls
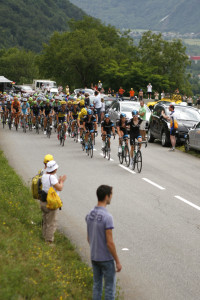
(125, 249)
(153, 183)
(188, 202)
(94, 149)
(125, 168)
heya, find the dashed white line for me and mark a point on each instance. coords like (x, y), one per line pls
(125, 168)
(125, 249)
(153, 183)
(188, 202)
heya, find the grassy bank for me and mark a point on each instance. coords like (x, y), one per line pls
(30, 269)
(190, 152)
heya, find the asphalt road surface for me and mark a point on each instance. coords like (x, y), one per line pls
(156, 212)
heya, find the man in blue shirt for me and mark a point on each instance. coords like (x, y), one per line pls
(102, 248)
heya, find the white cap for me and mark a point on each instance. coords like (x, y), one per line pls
(51, 166)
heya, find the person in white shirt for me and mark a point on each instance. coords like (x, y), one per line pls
(50, 179)
(149, 90)
(97, 104)
(103, 108)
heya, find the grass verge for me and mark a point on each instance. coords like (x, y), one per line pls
(29, 268)
(191, 152)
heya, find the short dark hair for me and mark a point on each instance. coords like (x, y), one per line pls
(103, 191)
(172, 106)
(96, 93)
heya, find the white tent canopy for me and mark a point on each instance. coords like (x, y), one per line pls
(4, 79)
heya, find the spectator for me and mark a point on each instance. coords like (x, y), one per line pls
(140, 94)
(162, 95)
(156, 96)
(49, 216)
(99, 85)
(67, 89)
(142, 114)
(103, 108)
(113, 93)
(87, 100)
(173, 125)
(97, 104)
(121, 92)
(109, 92)
(132, 93)
(190, 101)
(149, 90)
(198, 103)
(102, 248)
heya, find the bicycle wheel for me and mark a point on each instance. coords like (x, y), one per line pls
(127, 156)
(108, 155)
(121, 158)
(16, 125)
(4, 122)
(139, 161)
(91, 150)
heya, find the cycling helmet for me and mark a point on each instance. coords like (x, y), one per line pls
(48, 158)
(69, 102)
(89, 112)
(82, 103)
(75, 103)
(47, 101)
(122, 115)
(30, 99)
(84, 111)
(107, 116)
(62, 102)
(92, 105)
(34, 102)
(134, 112)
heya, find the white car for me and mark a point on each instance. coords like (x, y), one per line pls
(193, 138)
(126, 107)
(89, 91)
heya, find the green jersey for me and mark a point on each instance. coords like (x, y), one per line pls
(142, 110)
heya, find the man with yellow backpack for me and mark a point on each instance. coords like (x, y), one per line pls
(173, 126)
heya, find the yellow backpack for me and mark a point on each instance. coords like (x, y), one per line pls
(36, 186)
(53, 200)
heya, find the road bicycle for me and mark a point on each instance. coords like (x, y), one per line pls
(69, 128)
(124, 155)
(83, 141)
(23, 122)
(62, 134)
(10, 120)
(48, 128)
(76, 132)
(106, 148)
(42, 122)
(95, 135)
(137, 159)
(55, 123)
(37, 125)
(30, 122)
(4, 119)
(16, 121)
(89, 150)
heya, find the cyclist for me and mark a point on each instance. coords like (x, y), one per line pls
(89, 125)
(121, 126)
(106, 127)
(3, 107)
(47, 112)
(134, 125)
(80, 119)
(15, 107)
(62, 113)
(8, 108)
(75, 112)
(25, 109)
(35, 112)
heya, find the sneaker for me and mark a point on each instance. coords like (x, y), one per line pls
(45, 132)
(58, 136)
(171, 149)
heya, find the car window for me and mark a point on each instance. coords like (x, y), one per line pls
(115, 106)
(198, 125)
(156, 110)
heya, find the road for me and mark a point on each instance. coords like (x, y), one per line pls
(156, 213)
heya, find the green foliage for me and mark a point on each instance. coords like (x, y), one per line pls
(28, 24)
(18, 65)
(172, 15)
(93, 51)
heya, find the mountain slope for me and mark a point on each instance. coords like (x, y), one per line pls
(29, 23)
(172, 15)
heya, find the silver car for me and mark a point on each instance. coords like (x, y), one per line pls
(193, 138)
(118, 107)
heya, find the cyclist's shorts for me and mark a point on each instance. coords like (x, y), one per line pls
(133, 138)
(75, 117)
(124, 130)
(25, 112)
(81, 122)
(108, 131)
(36, 114)
(62, 119)
(89, 127)
(16, 109)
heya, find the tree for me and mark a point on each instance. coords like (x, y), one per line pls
(18, 65)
